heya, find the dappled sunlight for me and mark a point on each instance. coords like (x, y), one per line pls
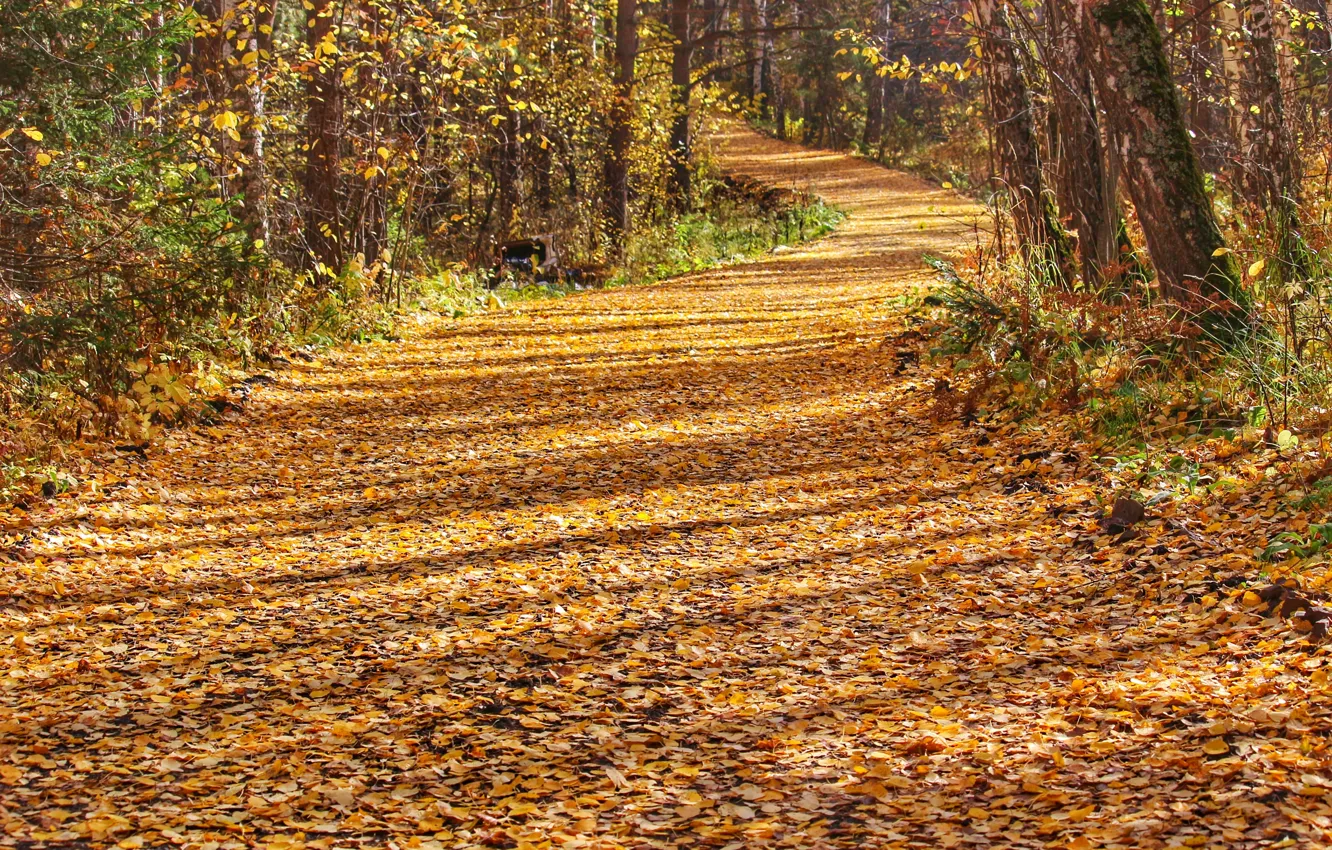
(646, 564)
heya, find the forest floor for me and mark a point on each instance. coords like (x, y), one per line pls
(683, 565)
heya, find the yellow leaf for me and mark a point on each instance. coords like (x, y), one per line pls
(43, 159)
(1216, 747)
(225, 120)
(1221, 252)
(1257, 268)
(33, 133)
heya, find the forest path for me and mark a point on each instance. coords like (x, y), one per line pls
(688, 564)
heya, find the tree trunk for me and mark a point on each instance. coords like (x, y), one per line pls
(1206, 120)
(542, 164)
(1273, 160)
(681, 89)
(766, 71)
(323, 95)
(711, 13)
(621, 125)
(506, 160)
(877, 88)
(253, 93)
(748, 21)
(1231, 27)
(371, 234)
(1083, 181)
(210, 51)
(1134, 85)
(1040, 237)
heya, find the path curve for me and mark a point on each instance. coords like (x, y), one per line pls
(688, 564)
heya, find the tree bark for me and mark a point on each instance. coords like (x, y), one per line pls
(1134, 84)
(1040, 237)
(753, 75)
(877, 88)
(371, 233)
(681, 89)
(621, 125)
(210, 52)
(1206, 120)
(506, 156)
(765, 71)
(712, 12)
(1272, 160)
(1231, 26)
(1083, 177)
(323, 95)
(253, 92)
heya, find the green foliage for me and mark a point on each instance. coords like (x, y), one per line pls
(71, 67)
(1162, 474)
(114, 241)
(1294, 545)
(726, 230)
(1137, 373)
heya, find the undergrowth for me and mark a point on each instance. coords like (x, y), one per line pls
(1135, 374)
(729, 231)
(49, 412)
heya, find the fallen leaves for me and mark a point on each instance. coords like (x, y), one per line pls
(679, 566)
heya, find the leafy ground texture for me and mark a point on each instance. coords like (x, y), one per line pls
(687, 565)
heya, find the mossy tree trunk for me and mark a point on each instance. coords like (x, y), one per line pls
(1040, 236)
(1134, 85)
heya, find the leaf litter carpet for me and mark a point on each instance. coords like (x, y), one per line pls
(686, 565)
